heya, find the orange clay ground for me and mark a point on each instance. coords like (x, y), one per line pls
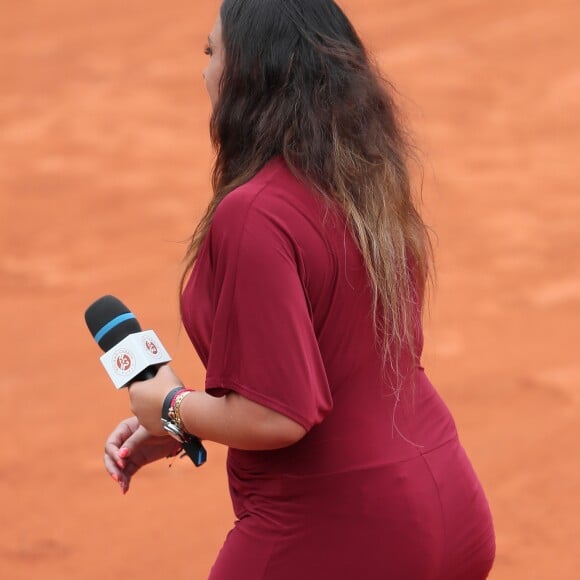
(104, 169)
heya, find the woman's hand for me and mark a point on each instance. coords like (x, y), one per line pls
(147, 398)
(130, 446)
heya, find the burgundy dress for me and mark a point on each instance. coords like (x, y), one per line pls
(278, 308)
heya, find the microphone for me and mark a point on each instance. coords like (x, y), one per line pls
(131, 354)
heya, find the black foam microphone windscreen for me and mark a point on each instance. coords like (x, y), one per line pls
(110, 321)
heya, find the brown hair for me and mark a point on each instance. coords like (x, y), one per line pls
(298, 83)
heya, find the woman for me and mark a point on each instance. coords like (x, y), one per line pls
(308, 273)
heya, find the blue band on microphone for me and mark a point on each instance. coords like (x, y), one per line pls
(112, 324)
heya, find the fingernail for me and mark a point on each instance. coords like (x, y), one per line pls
(115, 477)
(124, 452)
(121, 464)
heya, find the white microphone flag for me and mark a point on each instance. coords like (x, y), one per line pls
(133, 355)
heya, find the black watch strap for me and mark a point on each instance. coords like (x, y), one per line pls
(191, 445)
(167, 402)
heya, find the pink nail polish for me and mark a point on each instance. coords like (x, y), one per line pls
(115, 477)
(124, 452)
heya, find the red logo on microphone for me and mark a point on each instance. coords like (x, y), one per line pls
(151, 347)
(124, 362)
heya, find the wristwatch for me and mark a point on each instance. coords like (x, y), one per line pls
(171, 422)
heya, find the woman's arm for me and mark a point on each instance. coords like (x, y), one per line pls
(231, 420)
(238, 422)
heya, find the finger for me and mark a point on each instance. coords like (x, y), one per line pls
(132, 447)
(121, 475)
(124, 477)
(122, 432)
(111, 467)
(133, 442)
(117, 439)
(112, 452)
(117, 475)
(113, 470)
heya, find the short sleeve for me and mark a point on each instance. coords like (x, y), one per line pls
(263, 344)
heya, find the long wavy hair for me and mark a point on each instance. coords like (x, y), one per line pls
(298, 83)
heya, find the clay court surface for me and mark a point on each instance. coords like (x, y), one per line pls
(104, 169)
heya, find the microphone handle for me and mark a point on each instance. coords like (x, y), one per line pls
(146, 374)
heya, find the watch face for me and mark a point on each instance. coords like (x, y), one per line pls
(173, 430)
